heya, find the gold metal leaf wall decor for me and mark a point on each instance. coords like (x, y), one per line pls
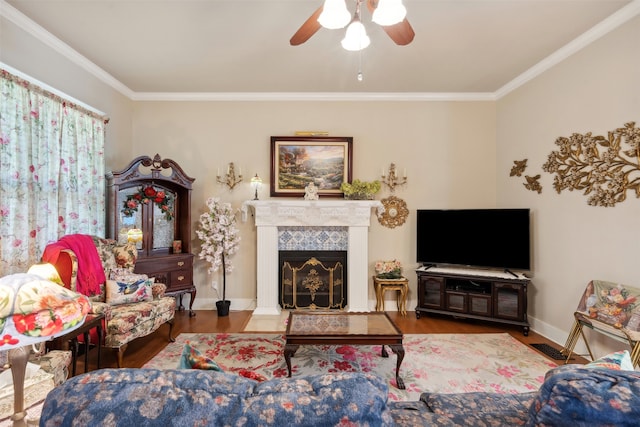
(602, 167)
(532, 183)
(518, 169)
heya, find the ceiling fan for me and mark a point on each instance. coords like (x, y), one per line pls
(401, 33)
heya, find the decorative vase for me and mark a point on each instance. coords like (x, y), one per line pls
(223, 307)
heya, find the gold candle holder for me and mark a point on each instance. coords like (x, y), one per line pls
(391, 179)
(230, 178)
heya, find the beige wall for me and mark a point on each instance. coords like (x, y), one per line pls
(447, 148)
(596, 90)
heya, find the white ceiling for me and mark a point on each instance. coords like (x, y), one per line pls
(221, 46)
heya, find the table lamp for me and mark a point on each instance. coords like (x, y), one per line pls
(33, 310)
(256, 181)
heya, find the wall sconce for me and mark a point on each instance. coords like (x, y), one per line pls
(256, 182)
(391, 179)
(230, 177)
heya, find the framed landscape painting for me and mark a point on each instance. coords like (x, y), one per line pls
(296, 161)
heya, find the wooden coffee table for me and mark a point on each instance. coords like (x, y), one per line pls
(338, 327)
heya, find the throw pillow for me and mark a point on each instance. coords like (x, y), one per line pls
(191, 358)
(158, 290)
(124, 288)
(620, 360)
(124, 275)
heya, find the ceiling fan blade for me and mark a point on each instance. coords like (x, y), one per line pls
(306, 30)
(401, 33)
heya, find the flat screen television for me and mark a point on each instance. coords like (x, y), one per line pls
(485, 238)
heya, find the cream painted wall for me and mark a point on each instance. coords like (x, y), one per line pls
(596, 90)
(447, 149)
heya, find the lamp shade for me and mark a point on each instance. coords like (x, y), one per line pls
(334, 14)
(256, 180)
(46, 271)
(33, 310)
(389, 12)
(134, 235)
(356, 37)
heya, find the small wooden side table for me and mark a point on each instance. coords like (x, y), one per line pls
(382, 285)
(70, 341)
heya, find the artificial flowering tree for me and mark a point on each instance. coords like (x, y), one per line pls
(220, 239)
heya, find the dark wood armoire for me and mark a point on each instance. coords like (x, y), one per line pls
(149, 203)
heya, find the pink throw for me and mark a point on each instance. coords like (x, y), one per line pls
(90, 272)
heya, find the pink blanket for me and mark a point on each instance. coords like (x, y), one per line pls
(90, 271)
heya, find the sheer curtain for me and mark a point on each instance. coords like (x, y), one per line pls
(51, 171)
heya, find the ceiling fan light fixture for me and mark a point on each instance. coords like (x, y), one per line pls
(334, 14)
(356, 37)
(389, 12)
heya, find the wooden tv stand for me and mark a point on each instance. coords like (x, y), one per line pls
(474, 294)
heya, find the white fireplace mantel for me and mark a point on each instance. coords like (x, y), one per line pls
(271, 214)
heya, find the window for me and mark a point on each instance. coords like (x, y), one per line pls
(51, 171)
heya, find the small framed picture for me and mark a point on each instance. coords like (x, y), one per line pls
(177, 246)
(297, 161)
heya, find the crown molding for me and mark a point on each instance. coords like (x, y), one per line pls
(22, 21)
(610, 23)
(311, 96)
(585, 39)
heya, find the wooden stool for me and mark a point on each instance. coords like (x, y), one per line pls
(382, 285)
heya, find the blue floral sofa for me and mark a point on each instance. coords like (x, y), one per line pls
(193, 397)
(571, 395)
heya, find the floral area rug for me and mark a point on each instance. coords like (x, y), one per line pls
(445, 363)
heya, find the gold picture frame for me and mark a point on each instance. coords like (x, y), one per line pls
(298, 160)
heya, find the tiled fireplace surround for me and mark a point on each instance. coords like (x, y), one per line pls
(311, 225)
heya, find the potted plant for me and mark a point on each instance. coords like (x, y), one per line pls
(360, 190)
(220, 239)
(388, 269)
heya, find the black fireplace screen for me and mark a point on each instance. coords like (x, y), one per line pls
(313, 279)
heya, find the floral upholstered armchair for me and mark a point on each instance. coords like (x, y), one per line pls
(133, 305)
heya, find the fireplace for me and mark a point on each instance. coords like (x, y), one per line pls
(313, 280)
(273, 216)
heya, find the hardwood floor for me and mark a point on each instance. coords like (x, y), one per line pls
(144, 349)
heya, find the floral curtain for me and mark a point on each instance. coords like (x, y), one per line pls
(51, 172)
